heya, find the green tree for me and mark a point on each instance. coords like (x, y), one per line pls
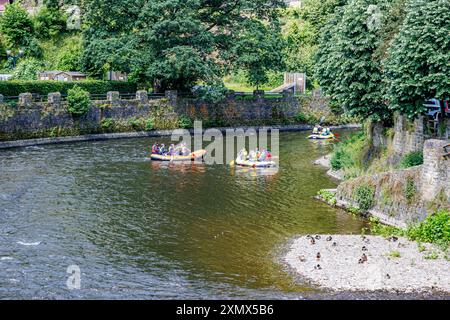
(172, 43)
(27, 69)
(259, 51)
(345, 66)
(69, 56)
(418, 63)
(16, 26)
(49, 22)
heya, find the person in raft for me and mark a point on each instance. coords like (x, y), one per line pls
(326, 131)
(155, 148)
(162, 149)
(172, 150)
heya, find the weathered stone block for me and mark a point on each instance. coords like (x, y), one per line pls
(142, 96)
(25, 99)
(54, 98)
(435, 174)
(113, 96)
(172, 96)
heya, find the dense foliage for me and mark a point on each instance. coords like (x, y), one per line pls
(173, 44)
(27, 69)
(412, 159)
(435, 228)
(345, 65)
(78, 101)
(418, 63)
(16, 27)
(49, 22)
(14, 88)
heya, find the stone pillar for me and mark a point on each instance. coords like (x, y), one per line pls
(172, 96)
(435, 177)
(408, 137)
(25, 99)
(1, 99)
(259, 95)
(113, 96)
(417, 137)
(376, 134)
(54, 98)
(142, 96)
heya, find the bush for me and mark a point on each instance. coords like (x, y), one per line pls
(365, 197)
(27, 69)
(149, 124)
(185, 122)
(410, 189)
(434, 229)
(327, 196)
(412, 159)
(78, 101)
(349, 153)
(15, 87)
(107, 124)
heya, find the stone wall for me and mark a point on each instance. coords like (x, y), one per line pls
(408, 135)
(31, 119)
(409, 195)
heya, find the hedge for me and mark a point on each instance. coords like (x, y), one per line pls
(15, 87)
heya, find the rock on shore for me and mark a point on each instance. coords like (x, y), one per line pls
(325, 162)
(369, 263)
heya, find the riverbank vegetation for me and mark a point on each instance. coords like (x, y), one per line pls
(434, 229)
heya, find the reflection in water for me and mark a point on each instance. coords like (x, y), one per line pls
(141, 229)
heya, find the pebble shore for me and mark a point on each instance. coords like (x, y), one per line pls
(369, 263)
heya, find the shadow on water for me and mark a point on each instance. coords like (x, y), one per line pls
(140, 229)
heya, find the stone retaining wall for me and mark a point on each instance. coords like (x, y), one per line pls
(31, 119)
(404, 196)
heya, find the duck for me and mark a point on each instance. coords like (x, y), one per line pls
(312, 241)
(364, 248)
(302, 258)
(334, 244)
(318, 256)
(393, 239)
(364, 257)
(317, 237)
(318, 267)
(329, 238)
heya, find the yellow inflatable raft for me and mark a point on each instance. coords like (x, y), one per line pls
(191, 157)
(321, 137)
(255, 164)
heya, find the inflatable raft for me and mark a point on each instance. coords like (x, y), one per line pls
(255, 164)
(321, 137)
(191, 157)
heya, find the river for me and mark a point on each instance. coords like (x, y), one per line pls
(142, 230)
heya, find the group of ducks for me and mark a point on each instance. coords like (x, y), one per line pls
(312, 241)
(180, 149)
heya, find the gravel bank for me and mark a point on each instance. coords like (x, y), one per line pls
(391, 265)
(325, 162)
